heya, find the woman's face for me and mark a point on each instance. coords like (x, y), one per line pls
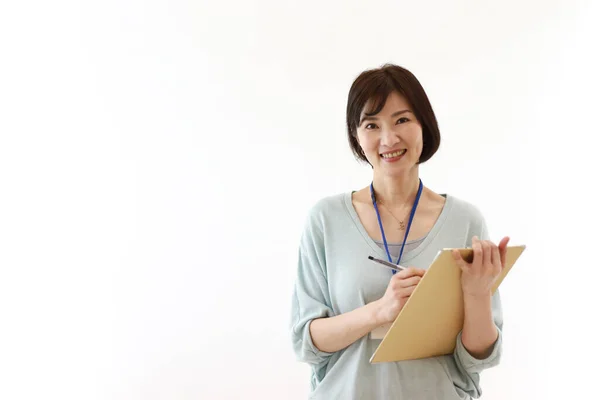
(392, 140)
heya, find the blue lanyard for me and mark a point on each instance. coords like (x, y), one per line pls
(412, 214)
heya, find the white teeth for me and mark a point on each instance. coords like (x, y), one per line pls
(394, 154)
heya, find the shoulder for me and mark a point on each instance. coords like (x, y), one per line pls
(469, 217)
(328, 207)
(465, 210)
(323, 214)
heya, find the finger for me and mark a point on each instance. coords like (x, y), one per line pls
(413, 280)
(477, 251)
(495, 257)
(408, 272)
(399, 285)
(406, 292)
(414, 271)
(487, 254)
(502, 247)
(458, 258)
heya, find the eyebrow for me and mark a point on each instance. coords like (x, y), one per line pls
(374, 118)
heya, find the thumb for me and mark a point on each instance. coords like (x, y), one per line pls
(459, 260)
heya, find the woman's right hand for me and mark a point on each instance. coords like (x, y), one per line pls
(399, 289)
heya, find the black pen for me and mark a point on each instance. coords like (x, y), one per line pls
(387, 264)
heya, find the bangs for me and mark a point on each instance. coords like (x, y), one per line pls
(372, 100)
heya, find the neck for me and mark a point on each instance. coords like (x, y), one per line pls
(398, 190)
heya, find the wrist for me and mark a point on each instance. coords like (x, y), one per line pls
(477, 301)
(477, 297)
(377, 313)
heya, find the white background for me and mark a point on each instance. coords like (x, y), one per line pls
(158, 158)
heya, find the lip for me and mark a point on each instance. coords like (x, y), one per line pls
(393, 159)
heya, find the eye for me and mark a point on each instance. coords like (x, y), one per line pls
(368, 125)
(403, 119)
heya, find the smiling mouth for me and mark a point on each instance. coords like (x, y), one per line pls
(394, 154)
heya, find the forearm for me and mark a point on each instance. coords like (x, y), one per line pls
(336, 333)
(479, 331)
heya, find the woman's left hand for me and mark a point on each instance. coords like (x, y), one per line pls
(478, 277)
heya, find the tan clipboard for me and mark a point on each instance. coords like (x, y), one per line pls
(433, 316)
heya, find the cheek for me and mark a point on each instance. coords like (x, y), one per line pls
(367, 142)
(416, 137)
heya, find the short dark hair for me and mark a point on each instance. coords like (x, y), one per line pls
(376, 85)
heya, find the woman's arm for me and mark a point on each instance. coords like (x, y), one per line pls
(479, 331)
(336, 333)
(332, 334)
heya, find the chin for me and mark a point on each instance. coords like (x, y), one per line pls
(397, 169)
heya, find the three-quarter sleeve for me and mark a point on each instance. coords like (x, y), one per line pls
(471, 364)
(311, 294)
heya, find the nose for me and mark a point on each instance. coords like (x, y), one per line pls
(389, 137)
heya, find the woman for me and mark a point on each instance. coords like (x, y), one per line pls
(341, 299)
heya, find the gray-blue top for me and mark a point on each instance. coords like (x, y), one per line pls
(334, 277)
